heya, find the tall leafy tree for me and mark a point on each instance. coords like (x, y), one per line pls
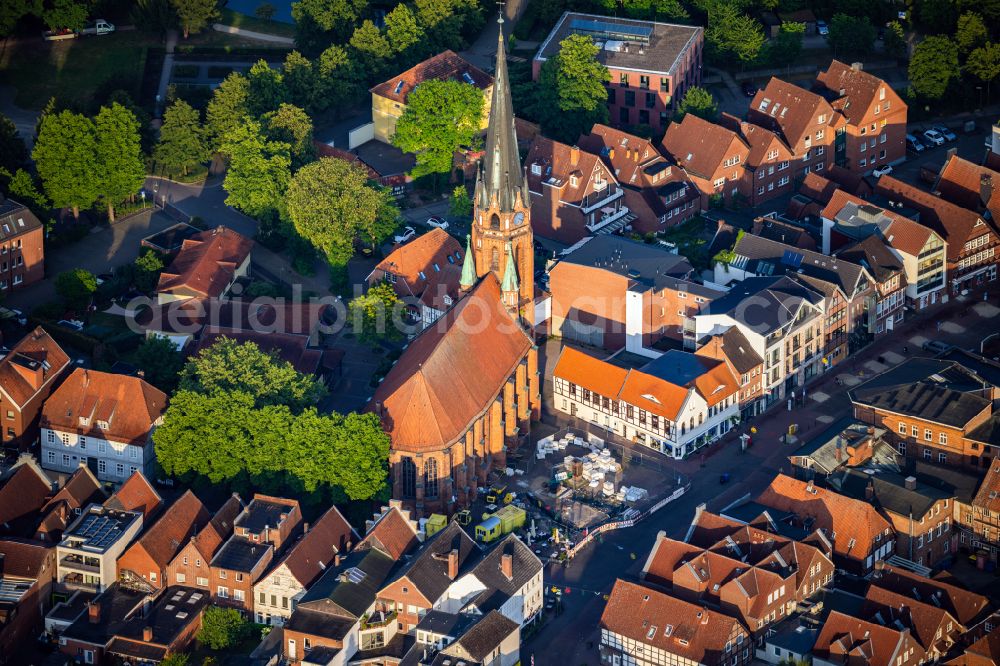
(990, 9)
(76, 287)
(13, 152)
(653, 10)
(195, 15)
(933, 66)
(223, 628)
(12, 11)
(571, 92)
(320, 22)
(154, 16)
(65, 14)
(971, 32)
(895, 39)
(785, 48)
(338, 79)
(440, 118)
(372, 48)
(299, 75)
(23, 188)
(229, 366)
(65, 155)
(935, 16)
(984, 64)
(374, 313)
(292, 125)
(403, 32)
(698, 101)
(181, 146)
(733, 34)
(330, 202)
(160, 362)
(259, 169)
(852, 35)
(121, 169)
(266, 89)
(228, 109)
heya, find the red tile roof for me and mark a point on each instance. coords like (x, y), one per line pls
(699, 146)
(627, 155)
(309, 556)
(206, 263)
(413, 264)
(855, 89)
(129, 406)
(967, 607)
(175, 527)
(23, 493)
(845, 639)
(80, 489)
(922, 619)
(590, 372)
(136, 494)
(451, 373)
(854, 527)
(393, 534)
(657, 619)
(442, 67)
(35, 360)
(20, 558)
(219, 528)
(903, 233)
(953, 223)
(967, 184)
(984, 652)
(558, 162)
(790, 111)
(818, 187)
(988, 495)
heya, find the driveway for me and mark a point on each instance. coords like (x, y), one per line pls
(23, 119)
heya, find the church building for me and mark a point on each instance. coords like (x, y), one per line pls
(467, 388)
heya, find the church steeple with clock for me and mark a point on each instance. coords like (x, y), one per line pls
(501, 240)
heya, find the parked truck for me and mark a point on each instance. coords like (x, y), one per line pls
(95, 27)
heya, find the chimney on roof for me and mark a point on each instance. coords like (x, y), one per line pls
(337, 559)
(985, 188)
(838, 451)
(305, 527)
(857, 66)
(453, 564)
(507, 566)
(809, 487)
(574, 155)
(94, 612)
(282, 517)
(869, 491)
(147, 634)
(910, 483)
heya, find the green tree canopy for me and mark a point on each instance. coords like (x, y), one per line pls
(895, 39)
(786, 47)
(153, 16)
(121, 169)
(933, 66)
(571, 92)
(259, 169)
(851, 35)
(181, 146)
(299, 76)
(160, 361)
(971, 32)
(404, 34)
(672, 11)
(331, 203)
(64, 14)
(148, 266)
(440, 118)
(371, 48)
(223, 628)
(230, 366)
(13, 152)
(23, 188)
(195, 15)
(293, 126)
(76, 287)
(375, 313)
(460, 203)
(266, 89)
(935, 16)
(733, 34)
(338, 79)
(984, 63)
(65, 155)
(698, 101)
(11, 11)
(320, 22)
(228, 109)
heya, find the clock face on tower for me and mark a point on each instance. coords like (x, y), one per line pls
(519, 219)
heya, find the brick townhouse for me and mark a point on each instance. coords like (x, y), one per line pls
(933, 409)
(753, 575)
(28, 375)
(574, 194)
(982, 519)
(847, 444)
(874, 130)
(971, 240)
(713, 157)
(644, 625)
(732, 347)
(191, 566)
(27, 570)
(804, 120)
(846, 639)
(658, 193)
(22, 253)
(207, 266)
(765, 168)
(887, 270)
(968, 608)
(935, 629)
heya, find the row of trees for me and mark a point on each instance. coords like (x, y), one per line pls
(243, 417)
(939, 60)
(158, 15)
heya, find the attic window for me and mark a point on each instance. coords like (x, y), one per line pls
(451, 259)
(102, 425)
(437, 269)
(399, 87)
(536, 169)
(651, 632)
(667, 630)
(650, 397)
(764, 103)
(422, 276)
(468, 78)
(573, 181)
(682, 641)
(20, 221)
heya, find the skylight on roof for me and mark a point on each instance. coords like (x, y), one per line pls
(468, 78)
(650, 397)
(399, 87)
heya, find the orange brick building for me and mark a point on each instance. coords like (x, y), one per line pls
(22, 254)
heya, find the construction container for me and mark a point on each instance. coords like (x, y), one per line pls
(489, 530)
(435, 524)
(511, 518)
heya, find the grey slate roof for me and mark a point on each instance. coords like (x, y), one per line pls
(341, 594)
(875, 255)
(822, 449)
(428, 570)
(646, 263)
(890, 492)
(930, 389)
(739, 352)
(240, 554)
(767, 257)
(764, 304)
(525, 565)
(957, 482)
(679, 367)
(478, 642)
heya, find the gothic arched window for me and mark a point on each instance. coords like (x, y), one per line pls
(495, 263)
(408, 474)
(431, 478)
(495, 222)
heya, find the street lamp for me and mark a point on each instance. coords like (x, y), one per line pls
(142, 193)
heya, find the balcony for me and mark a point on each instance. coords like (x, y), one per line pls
(593, 201)
(378, 619)
(74, 581)
(78, 563)
(611, 220)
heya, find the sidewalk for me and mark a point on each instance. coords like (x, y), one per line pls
(168, 67)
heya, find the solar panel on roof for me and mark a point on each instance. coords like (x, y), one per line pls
(791, 258)
(587, 25)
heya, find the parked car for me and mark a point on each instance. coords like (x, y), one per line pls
(945, 132)
(882, 171)
(749, 89)
(71, 324)
(822, 28)
(913, 143)
(98, 27)
(13, 314)
(933, 137)
(937, 347)
(437, 222)
(408, 233)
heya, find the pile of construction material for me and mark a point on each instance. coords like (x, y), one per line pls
(596, 469)
(550, 444)
(632, 494)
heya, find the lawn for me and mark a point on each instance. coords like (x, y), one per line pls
(74, 69)
(237, 20)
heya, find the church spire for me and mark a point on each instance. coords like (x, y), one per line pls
(501, 175)
(510, 284)
(468, 267)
